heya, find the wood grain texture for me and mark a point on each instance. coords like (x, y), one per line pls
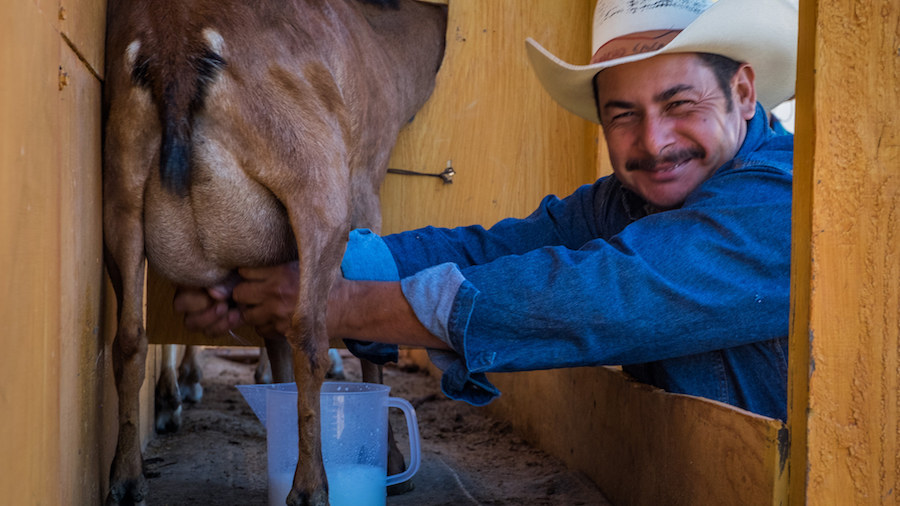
(29, 254)
(509, 143)
(644, 446)
(50, 254)
(81, 341)
(849, 173)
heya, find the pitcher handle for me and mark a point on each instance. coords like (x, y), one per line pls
(412, 427)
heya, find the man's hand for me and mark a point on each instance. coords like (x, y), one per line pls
(267, 297)
(206, 309)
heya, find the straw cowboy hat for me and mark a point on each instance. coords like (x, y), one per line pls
(762, 33)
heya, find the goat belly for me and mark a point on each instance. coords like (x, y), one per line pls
(198, 241)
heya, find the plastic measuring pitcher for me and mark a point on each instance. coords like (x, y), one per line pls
(354, 439)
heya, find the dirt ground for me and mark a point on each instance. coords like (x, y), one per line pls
(219, 455)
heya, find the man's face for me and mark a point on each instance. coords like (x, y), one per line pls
(668, 125)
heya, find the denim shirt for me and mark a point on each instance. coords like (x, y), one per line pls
(693, 300)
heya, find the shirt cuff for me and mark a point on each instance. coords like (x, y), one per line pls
(431, 293)
(458, 383)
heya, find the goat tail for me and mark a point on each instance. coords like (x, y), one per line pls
(183, 96)
(175, 151)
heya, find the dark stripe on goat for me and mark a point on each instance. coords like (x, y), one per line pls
(140, 74)
(208, 67)
(176, 149)
(393, 4)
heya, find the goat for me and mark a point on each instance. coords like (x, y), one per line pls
(178, 382)
(250, 133)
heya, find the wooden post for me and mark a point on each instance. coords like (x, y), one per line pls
(52, 375)
(845, 352)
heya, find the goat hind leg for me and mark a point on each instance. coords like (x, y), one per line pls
(190, 372)
(127, 484)
(167, 395)
(310, 485)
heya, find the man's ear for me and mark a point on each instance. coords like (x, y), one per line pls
(743, 86)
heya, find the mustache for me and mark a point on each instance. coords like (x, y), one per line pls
(674, 157)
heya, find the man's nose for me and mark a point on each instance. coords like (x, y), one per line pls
(655, 135)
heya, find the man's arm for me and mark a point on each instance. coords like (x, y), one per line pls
(376, 311)
(363, 310)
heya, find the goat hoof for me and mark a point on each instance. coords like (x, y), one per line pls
(168, 420)
(191, 392)
(319, 497)
(127, 493)
(336, 376)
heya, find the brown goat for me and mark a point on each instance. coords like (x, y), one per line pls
(246, 134)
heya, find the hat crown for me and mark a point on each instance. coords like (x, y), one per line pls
(762, 33)
(615, 18)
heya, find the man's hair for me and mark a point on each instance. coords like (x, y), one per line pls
(724, 68)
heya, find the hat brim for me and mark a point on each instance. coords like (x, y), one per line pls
(762, 33)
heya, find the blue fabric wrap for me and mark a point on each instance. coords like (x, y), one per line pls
(368, 259)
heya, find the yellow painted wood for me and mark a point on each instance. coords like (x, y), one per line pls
(846, 350)
(81, 268)
(29, 252)
(82, 26)
(509, 143)
(643, 446)
(801, 214)
(50, 256)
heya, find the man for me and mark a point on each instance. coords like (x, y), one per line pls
(676, 267)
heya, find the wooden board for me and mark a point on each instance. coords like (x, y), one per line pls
(50, 253)
(81, 340)
(508, 142)
(82, 25)
(845, 355)
(644, 446)
(29, 255)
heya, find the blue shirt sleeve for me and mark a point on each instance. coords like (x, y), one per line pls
(710, 275)
(585, 281)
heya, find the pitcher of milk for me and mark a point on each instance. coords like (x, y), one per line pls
(354, 439)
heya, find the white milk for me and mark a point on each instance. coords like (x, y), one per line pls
(348, 485)
(356, 485)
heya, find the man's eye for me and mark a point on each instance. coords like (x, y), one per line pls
(677, 104)
(622, 116)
